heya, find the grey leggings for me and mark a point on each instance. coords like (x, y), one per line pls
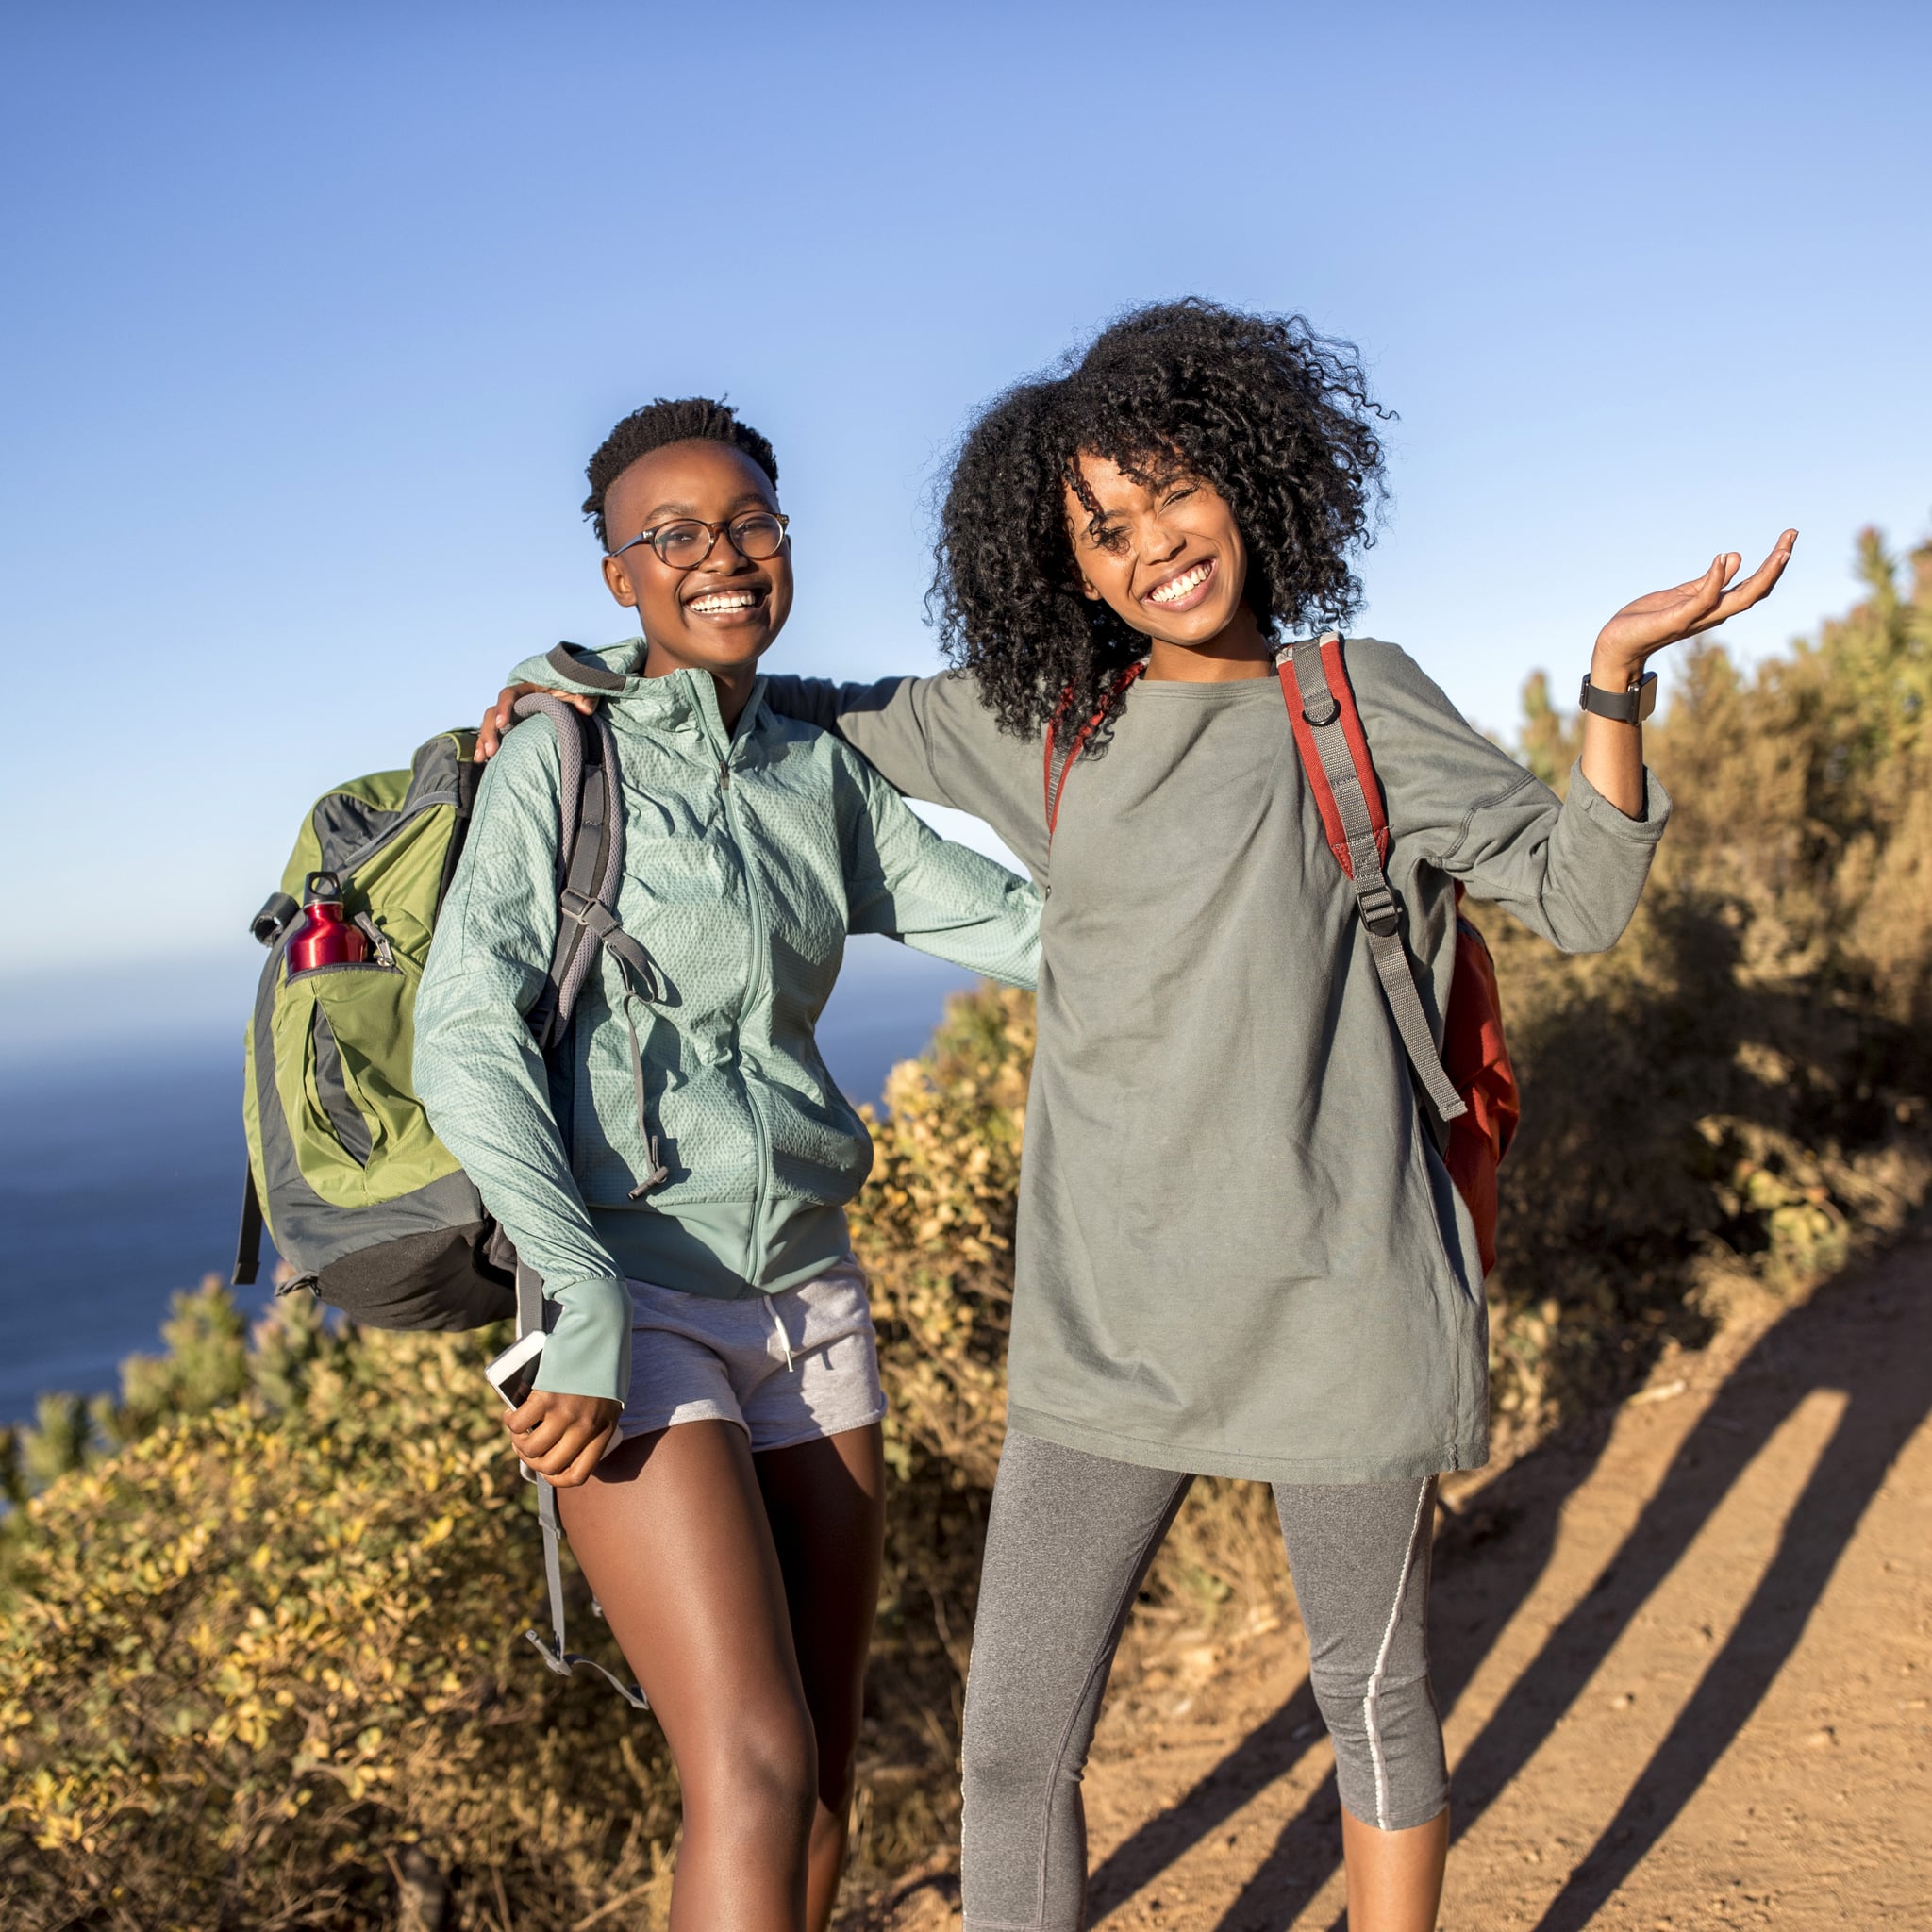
(1068, 1543)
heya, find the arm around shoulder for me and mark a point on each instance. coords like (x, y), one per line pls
(936, 896)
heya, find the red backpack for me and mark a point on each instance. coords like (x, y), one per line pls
(1470, 1082)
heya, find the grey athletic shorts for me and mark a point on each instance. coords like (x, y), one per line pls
(785, 1368)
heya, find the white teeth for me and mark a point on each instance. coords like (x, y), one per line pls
(723, 600)
(1177, 588)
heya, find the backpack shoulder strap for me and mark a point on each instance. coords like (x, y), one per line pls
(469, 776)
(1334, 752)
(590, 869)
(248, 1239)
(590, 866)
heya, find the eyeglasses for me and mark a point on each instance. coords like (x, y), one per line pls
(686, 544)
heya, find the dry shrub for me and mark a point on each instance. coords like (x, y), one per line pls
(261, 1652)
(1739, 1090)
(262, 1660)
(258, 1657)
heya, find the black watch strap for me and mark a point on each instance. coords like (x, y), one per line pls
(1630, 706)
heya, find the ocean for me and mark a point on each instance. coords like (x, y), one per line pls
(120, 1172)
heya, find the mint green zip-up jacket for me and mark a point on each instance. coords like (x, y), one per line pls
(748, 857)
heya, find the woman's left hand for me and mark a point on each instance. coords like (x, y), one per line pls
(1666, 617)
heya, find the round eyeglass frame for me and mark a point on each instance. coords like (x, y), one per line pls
(657, 537)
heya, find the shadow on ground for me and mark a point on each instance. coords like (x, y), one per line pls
(1852, 1336)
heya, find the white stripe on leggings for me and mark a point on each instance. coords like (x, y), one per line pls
(1374, 1690)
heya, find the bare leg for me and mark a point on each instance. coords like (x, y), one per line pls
(826, 1503)
(1394, 1877)
(672, 1534)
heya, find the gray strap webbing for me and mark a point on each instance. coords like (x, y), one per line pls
(657, 1174)
(1381, 914)
(556, 1653)
(529, 1299)
(248, 1237)
(590, 866)
(596, 869)
(600, 923)
(581, 834)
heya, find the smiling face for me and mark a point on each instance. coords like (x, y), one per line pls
(1161, 549)
(723, 615)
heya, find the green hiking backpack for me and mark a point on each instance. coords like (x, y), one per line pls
(344, 1167)
(363, 1200)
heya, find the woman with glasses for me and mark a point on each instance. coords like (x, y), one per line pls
(708, 1404)
(1240, 1252)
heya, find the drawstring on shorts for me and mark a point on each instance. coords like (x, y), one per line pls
(784, 1340)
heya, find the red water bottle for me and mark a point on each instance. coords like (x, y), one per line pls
(324, 937)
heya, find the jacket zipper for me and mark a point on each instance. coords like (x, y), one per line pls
(754, 983)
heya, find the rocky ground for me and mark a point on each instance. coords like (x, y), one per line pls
(1685, 1658)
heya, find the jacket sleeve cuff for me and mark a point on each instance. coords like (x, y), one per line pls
(1645, 829)
(589, 1350)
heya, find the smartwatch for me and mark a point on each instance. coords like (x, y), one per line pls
(1630, 706)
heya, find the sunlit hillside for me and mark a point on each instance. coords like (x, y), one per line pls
(260, 1620)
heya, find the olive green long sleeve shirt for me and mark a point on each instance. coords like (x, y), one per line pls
(1239, 1252)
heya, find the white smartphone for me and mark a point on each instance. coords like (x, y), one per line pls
(514, 1373)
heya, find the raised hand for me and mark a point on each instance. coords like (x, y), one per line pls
(1666, 617)
(1614, 751)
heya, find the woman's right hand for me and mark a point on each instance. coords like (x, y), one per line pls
(501, 715)
(562, 1436)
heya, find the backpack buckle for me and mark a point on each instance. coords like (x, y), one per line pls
(1380, 912)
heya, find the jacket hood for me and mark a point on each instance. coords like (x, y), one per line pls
(683, 701)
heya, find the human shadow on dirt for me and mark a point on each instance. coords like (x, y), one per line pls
(1512, 1520)
(1867, 1336)
(1268, 1752)
(1878, 1350)
(1310, 1845)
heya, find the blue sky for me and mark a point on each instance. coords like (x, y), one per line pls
(314, 314)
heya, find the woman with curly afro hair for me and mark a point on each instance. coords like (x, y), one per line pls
(1239, 1249)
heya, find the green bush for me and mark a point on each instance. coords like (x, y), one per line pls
(260, 1653)
(263, 1650)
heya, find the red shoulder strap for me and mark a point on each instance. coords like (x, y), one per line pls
(1058, 764)
(1351, 722)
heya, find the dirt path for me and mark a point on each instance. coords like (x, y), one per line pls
(1685, 1667)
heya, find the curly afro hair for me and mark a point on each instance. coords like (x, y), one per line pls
(690, 419)
(1274, 416)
